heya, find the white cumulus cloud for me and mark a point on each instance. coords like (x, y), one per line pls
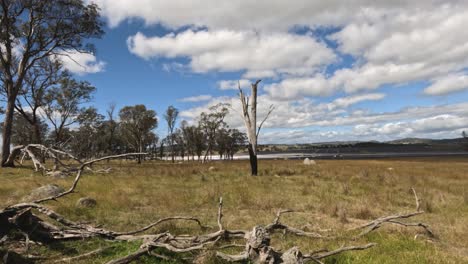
(374, 44)
(231, 51)
(197, 98)
(448, 84)
(278, 15)
(233, 84)
(81, 62)
(345, 102)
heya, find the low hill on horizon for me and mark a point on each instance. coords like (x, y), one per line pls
(399, 145)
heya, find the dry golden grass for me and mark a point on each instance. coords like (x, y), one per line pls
(334, 194)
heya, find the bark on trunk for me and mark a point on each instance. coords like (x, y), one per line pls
(38, 137)
(250, 121)
(253, 160)
(7, 130)
(172, 152)
(140, 148)
(14, 153)
(37, 133)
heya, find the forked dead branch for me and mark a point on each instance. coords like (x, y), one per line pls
(34, 150)
(41, 224)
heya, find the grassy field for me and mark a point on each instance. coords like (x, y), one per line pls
(334, 194)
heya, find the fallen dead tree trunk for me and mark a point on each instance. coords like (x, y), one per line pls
(32, 150)
(60, 167)
(39, 223)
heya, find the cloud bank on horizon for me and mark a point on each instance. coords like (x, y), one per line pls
(333, 69)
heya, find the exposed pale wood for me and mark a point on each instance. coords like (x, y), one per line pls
(249, 115)
(339, 251)
(417, 200)
(232, 258)
(220, 213)
(186, 218)
(277, 225)
(37, 164)
(3, 239)
(15, 151)
(395, 219)
(426, 227)
(270, 110)
(230, 246)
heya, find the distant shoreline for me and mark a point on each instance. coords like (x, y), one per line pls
(300, 155)
(335, 156)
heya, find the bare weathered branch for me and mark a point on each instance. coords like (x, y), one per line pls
(80, 171)
(394, 219)
(186, 218)
(417, 200)
(220, 213)
(339, 251)
(377, 223)
(3, 239)
(271, 109)
(232, 258)
(277, 225)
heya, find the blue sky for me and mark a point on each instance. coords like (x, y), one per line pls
(353, 71)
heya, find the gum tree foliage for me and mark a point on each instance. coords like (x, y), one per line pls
(89, 139)
(137, 123)
(229, 141)
(180, 143)
(23, 132)
(32, 30)
(171, 116)
(37, 82)
(183, 135)
(63, 105)
(210, 123)
(195, 140)
(111, 129)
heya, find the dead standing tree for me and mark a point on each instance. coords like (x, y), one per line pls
(465, 136)
(250, 121)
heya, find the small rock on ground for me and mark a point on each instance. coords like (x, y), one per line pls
(86, 202)
(308, 162)
(57, 174)
(44, 192)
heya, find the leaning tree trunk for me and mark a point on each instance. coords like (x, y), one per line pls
(7, 132)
